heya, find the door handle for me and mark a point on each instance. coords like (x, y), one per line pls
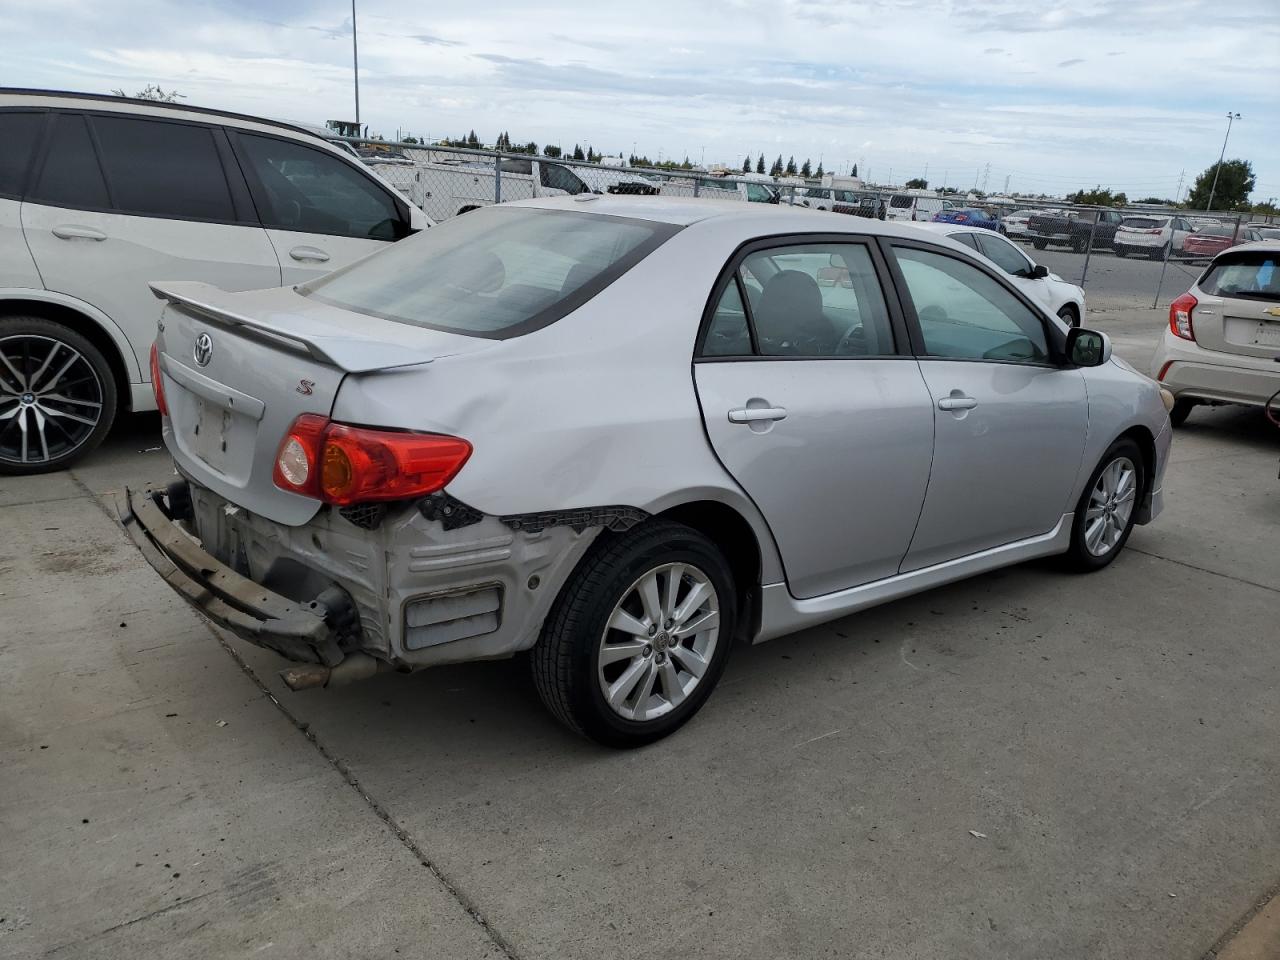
(955, 402)
(72, 232)
(756, 414)
(314, 254)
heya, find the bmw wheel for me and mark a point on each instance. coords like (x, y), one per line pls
(1105, 513)
(57, 396)
(639, 635)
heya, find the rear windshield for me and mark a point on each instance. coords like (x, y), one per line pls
(1252, 274)
(1144, 223)
(900, 201)
(495, 272)
(1217, 230)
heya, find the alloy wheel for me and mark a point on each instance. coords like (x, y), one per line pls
(1110, 506)
(50, 399)
(658, 642)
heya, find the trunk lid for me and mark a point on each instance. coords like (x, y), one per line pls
(238, 368)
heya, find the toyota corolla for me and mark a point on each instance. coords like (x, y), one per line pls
(626, 434)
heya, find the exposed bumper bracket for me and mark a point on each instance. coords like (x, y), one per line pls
(305, 632)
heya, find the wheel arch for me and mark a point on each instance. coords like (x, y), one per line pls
(94, 325)
(1140, 435)
(733, 534)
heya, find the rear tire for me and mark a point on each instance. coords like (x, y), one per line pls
(1078, 244)
(57, 396)
(1039, 244)
(609, 668)
(1162, 253)
(1105, 513)
(1120, 251)
(1181, 410)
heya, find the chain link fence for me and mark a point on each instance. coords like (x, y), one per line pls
(448, 181)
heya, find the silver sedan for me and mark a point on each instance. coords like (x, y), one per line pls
(626, 434)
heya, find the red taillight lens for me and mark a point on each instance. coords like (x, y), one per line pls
(157, 385)
(1180, 316)
(342, 465)
(961, 218)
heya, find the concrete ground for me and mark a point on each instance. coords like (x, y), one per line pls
(1025, 764)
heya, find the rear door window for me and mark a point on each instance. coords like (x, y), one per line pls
(19, 132)
(1249, 275)
(70, 176)
(164, 169)
(300, 188)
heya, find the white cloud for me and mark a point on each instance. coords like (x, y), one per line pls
(1055, 94)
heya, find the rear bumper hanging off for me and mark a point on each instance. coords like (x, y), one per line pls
(303, 632)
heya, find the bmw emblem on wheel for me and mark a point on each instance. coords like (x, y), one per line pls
(204, 349)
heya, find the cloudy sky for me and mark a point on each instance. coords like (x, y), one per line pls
(1052, 94)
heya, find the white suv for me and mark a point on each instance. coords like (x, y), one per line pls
(100, 196)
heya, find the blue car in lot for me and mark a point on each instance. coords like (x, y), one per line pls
(970, 217)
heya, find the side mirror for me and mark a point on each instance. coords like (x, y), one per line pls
(1087, 348)
(1039, 272)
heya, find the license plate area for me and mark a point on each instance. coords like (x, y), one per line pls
(1267, 334)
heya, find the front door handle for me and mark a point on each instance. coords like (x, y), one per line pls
(957, 402)
(71, 231)
(756, 414)
(310, 254)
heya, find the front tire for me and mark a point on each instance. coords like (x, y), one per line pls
(1069, 316)
(1121, 252)
(57, 396)
(1162, 253)
(638, 636)
(1105, 513)
(1039, 244)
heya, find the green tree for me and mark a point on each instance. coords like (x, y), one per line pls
(1098, 196)
(746, 164)
(806, 171)
(819, 173)
(760, 164)
(917, 183)
(1156, 201)
(776, 169)
(551, 150)
(791, 166)
(472, 140)
(1235, 183)
(854, 172)
(577, 152)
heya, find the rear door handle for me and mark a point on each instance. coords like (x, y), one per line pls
(314, 254)
(71, 231)
(755, 414)
(957, 403)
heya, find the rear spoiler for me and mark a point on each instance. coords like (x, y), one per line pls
(351, 354)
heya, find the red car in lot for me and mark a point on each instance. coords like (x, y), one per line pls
(1208, 242)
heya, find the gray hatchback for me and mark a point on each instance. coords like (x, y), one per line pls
(626, 434)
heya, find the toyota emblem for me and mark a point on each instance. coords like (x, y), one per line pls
(204, 349)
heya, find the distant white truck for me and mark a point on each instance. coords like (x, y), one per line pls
(447, 187)
(915, 205)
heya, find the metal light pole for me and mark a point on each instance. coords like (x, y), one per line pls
(1218, 169)
(355, 64)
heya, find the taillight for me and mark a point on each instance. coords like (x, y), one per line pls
(1180, 316)
(342, 465)
(961, 218)
(157, 385)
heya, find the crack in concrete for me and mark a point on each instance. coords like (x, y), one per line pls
(1192, 566)
(128, 923)
(383, 814)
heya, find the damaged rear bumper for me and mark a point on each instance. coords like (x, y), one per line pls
(308, 632)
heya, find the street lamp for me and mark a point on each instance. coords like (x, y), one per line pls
(355, 64)
(1218, 169)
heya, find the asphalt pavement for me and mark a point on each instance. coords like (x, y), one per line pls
(1113, 278)
(1024, 764)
